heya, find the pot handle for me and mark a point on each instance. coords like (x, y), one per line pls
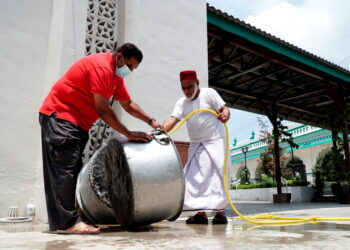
(160, 136)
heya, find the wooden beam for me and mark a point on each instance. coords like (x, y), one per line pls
(280, 81)
(245, 71)
(230, 60)
(259, 77)
(301, 95)
(311, 98)
(323, 103)
(278, 59)
(211, 40)
(236, 92)
(292, 87)
(217, 48)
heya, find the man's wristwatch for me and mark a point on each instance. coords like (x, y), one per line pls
(150, 121)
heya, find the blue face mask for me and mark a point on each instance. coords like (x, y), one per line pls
(122, 71)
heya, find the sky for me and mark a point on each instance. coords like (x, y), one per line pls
(317, 26)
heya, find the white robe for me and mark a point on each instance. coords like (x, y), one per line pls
(204, 173)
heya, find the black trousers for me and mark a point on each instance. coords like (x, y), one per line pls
(62, 146)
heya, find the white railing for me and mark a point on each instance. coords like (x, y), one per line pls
(285, 183)
(236, 183)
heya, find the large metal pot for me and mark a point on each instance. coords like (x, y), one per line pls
(148, 187)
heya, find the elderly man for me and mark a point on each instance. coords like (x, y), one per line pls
(76, 100)
(204, 168)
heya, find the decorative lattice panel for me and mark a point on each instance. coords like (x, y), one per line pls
(101, 34)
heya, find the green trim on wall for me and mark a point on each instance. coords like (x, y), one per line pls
(324, 134)
(246, 145)
(287, 150)
(242, 159)
(308, 145)
(296, 128)
(289, 131)
(273, 45)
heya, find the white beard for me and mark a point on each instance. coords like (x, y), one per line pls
(194, 93)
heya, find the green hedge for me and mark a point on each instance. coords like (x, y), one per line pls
(290, 183)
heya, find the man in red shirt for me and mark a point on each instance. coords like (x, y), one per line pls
(74, 103)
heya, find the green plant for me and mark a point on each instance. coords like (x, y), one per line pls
(330, 166)
(245, 177)
(296, 168)
(318, 183)
(257, 185)
(266, 162)
(291, 183)
(266, 178)
(294, 183)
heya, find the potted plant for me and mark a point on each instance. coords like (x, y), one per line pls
(282, 198)
(266, 162)
(330, 166)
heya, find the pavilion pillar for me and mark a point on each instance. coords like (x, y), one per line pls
(334, 137)
(342, 106)
(346, 145)
(341, 103)
(273, 120)
(337, 95)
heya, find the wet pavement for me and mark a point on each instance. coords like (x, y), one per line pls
(238, 234)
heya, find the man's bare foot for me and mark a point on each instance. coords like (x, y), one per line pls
(80, 228)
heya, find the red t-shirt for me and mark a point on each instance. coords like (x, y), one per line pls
(72, 96)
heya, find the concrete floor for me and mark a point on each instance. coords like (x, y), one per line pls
(238, 234)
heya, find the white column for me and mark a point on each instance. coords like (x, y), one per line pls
(42, 38)
(24, 27)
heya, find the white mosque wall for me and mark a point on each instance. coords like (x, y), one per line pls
(238, 167)
(40, 39)
(298, 194)
(173, 37)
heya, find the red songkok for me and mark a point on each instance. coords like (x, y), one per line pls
(188, 75)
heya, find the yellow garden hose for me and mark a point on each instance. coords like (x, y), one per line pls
(278, 220)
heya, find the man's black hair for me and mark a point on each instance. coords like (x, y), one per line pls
(128, 50)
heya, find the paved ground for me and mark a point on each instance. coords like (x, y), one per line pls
(237, 234)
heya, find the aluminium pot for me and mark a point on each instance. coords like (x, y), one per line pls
(132, 183)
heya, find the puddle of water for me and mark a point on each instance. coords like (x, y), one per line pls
(22, 227)
(58, 244)
(309, 234)
(320, 226)
(167, 235)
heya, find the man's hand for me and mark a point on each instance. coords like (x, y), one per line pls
(170, 123)
(139, 136)
(155, 125)
(224, 114)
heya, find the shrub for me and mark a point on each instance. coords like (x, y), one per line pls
(330, 166)
(245, 176)
(290, 183)
(266, 178)
(293, 183)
